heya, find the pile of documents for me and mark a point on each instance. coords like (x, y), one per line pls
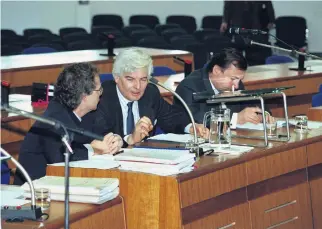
(82, 190)
(161, 161)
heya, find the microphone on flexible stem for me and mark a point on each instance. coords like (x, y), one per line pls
(187, 65)
(65, 139)
(195, 147)
(243, 31)
(29, 212)
(5, 87)
(110, 45)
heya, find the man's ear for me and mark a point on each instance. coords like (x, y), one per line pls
(216, 70)
(116, 79)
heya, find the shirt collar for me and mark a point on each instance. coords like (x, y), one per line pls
(79, 118)
(213, 87)
(121, 97)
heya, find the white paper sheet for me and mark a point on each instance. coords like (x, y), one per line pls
(182, 138)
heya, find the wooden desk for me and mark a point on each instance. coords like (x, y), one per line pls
(277, 185)
(23, 70)
(82, 216)
(299, 99)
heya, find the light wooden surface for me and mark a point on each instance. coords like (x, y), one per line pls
(23, 70)
(248, 185)
(82, 216)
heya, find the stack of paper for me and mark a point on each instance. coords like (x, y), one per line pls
(82, 190)
(182, 138)
(157, 161)
(97, 162)
(233, 150)
(12, 195)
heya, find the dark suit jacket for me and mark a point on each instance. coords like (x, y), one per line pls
(42, 144)
(108, 116)
(198, 81)
(259, 16)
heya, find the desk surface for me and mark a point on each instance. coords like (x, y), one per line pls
(78, 211)
(9, 63)
(222, 190)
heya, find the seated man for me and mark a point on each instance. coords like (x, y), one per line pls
(131, 107)
(77, 92)
(224, 71)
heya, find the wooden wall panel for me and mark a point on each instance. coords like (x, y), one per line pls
(276, 164)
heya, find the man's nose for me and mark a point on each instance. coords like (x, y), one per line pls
(137, 85)
(236, 84)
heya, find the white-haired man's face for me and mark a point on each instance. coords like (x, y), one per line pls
(132, 85)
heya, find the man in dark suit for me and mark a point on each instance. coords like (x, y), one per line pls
(77, 92)
(250, 15)
(131, 107)
(224, 71)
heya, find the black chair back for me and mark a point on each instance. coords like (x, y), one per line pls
(109, 20)
(159, 28)
(68, 30)
(149, 20)
(188, 23)
(211, 22)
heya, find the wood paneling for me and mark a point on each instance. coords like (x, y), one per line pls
(314, 155)
(212, 185)
(15, 131)
(276, 164)
(148, 198)
(23, 70)
(236, 217)
(315, 113)
(315, 181)
(289, 208)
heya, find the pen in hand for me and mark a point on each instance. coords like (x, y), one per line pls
(121, 151)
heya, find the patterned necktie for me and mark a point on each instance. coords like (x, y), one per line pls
(129, 119)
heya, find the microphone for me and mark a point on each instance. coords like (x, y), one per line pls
(5, 87)
(195, 137)
(243, 31)
(29, 212)
(56, 124)
(187, 65)
(110, 44)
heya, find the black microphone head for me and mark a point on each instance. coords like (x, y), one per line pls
(154, 80)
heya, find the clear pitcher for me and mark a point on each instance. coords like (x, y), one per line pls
(218, 121)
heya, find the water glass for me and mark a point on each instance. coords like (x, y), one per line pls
(301, 125)
(43, 198)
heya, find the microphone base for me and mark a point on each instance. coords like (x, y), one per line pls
(22, 213)
(109, 55)
(298, 69)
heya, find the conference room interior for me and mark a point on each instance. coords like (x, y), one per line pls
(273, 186)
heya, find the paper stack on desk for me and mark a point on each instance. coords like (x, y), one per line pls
(82, 190)
(182, 138)
(162, 162)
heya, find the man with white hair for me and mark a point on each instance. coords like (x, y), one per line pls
(131, 107)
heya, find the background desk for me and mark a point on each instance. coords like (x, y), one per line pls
(23, 70)
(82, 216)
(277, 185)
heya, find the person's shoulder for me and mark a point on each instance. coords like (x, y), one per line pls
(192, 80)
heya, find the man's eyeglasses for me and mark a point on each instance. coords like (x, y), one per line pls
(100, 90)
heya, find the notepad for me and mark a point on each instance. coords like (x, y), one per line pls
(153, 155)
(77, 185)
(94, 163)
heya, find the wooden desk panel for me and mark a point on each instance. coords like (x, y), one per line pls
(193, 200)
(23, 70)
(315, 114)
(82, 216)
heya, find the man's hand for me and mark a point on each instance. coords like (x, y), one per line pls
(249, 114)
(201, 131)
(142, 129)
(110, 144)
(223, 27)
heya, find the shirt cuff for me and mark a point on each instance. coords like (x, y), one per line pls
(126, 138)
(90, 150)
(233, 121)
(187, 129)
